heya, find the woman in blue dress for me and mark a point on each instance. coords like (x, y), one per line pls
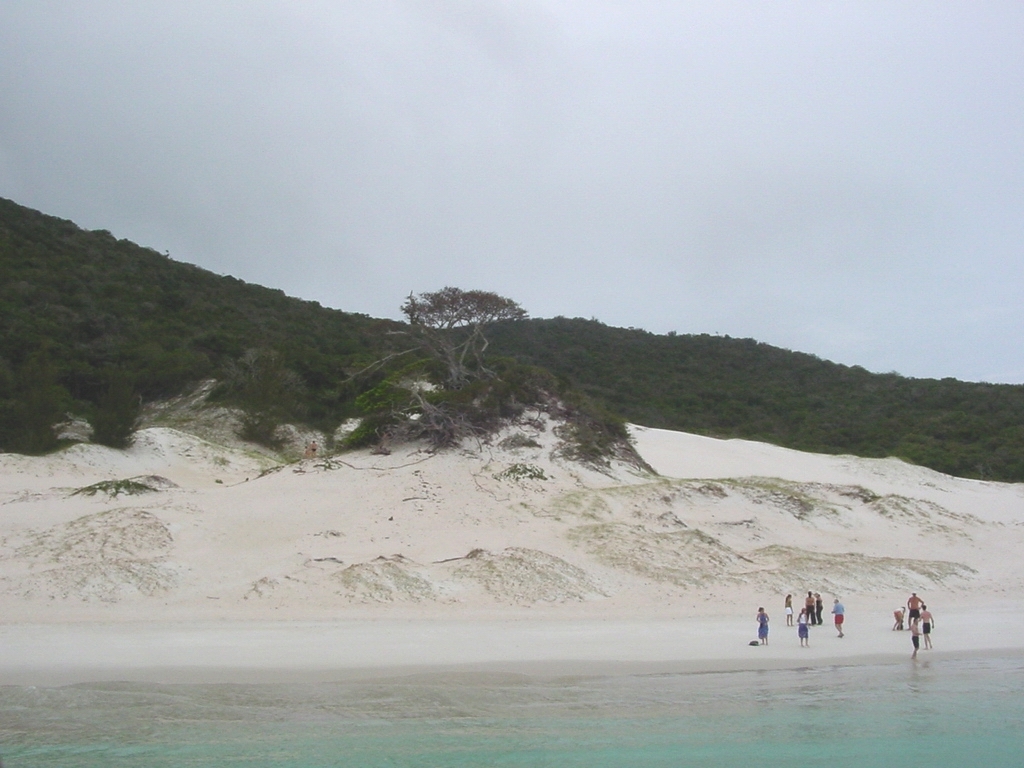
(762, 626)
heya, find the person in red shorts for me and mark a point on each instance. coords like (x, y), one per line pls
(838, 611)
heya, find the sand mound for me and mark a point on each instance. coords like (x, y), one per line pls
(756, 508)
(526, 576)
(780, 567)
(686, 558)
(694, 534)
(516, 575)
(925, 515)
(105, 556)
(693, 559)
(384, 580)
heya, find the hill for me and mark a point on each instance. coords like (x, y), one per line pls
(93, 324)
(727, 387)
(82, 309)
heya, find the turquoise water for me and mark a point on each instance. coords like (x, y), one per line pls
(938, 713)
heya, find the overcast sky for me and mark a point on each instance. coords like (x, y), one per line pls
(839, 178)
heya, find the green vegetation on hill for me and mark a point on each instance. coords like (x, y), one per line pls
(90, 321)
(93, 325)
(725, 387)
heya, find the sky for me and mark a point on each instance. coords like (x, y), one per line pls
(839, 178)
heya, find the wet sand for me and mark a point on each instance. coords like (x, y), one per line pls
(253, 652)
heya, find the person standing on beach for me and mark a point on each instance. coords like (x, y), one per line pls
(809, 607)
(914, 604)
(819, 606)
(789, 610)
(762, 626)
(898, 620)
(801, 628)
(837, 611)
(927, 622)
(915, 635)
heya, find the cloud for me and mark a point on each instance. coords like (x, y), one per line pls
(838, 179)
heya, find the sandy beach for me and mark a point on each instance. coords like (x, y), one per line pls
(333, 651)
(218, 565)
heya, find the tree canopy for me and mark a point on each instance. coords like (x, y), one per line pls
(450, 324)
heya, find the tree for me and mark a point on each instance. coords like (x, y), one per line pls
(267, 391)
(40, 404)
(450, 325)
(463, 396)
(117, 412)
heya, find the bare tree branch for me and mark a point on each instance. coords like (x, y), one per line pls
(378, 363)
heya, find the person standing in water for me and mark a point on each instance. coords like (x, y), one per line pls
(762, 626)
(915, 635)
(927, 623)
(837, 611)
(801, 628)
(789, 610)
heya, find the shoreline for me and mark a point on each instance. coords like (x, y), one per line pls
(339, 651)
(464, 674)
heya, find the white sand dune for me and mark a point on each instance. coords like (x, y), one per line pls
(491, 553)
